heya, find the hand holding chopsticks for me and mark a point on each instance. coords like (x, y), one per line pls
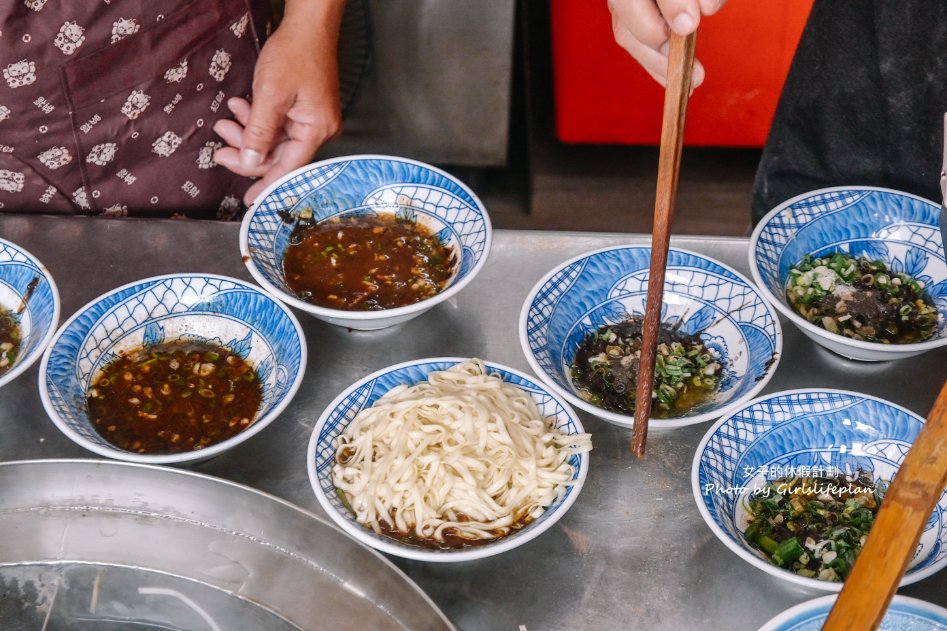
(680, 66)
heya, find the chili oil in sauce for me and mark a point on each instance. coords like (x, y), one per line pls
(10, 337)
(366, 262)
(174, 397)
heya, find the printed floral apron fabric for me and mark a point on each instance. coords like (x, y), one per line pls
(107, 106)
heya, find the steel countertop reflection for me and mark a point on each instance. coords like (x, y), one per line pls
(633, 552)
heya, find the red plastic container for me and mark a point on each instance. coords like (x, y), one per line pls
(603, 96)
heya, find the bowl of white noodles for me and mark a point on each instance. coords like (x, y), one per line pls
(447, 459)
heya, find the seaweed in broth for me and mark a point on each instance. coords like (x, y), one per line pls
(605, 369)
(10, 339)
(861, 299)
(814, 525)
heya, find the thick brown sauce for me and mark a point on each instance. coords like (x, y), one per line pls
(366, 263)
(453, 540)
(9, 340)
(175, 397)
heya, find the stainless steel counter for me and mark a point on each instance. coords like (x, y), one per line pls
(633, 552)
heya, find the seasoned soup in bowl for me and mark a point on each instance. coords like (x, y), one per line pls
(145, 336)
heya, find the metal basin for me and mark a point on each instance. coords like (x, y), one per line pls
(87, 544)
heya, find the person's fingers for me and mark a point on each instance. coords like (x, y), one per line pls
(271, 101)
(681, 15)
(230, 158)
(230, 132)
(293, 155)
(640, 20)
(240, 108)
(643, 27)
(255, 189)
(709, 7)
(299, 144)
(697, 76)
(655, 62)
(287, 156)
(294, 147)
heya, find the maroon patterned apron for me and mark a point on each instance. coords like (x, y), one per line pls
(107, 106)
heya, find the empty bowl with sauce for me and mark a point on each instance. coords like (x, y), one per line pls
(367, 241)
(860, 270)
(29, 310)
(791, 483)
(173, 368)
(580, 331)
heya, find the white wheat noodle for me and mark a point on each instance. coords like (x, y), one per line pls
(463, 450)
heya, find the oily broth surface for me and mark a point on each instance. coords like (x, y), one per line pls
(174, 397)
(364, 263)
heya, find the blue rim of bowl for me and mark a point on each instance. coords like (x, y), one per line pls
(780, 303)
(23, 364)
(317, 310)
(627, 420)
(369, 538)
(190, 456)
(808, 611)
(740, 550)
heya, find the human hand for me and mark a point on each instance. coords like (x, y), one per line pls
(295, 106)
(643, 28)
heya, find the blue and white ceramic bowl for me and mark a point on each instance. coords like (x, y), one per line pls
(610, 285)
(898, 228)
(200, 307)
(364, 393)
(799, 431)
(904, 614)
(366, 184)
(28, 291)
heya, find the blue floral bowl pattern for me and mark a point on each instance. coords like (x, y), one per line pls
(900, 229)
(904, 614)
(28, 291)
(197, 307)
(364, 393)
(610, 285)
(363, 185)
(801, 432)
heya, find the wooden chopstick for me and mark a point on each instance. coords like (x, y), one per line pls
(893, 538)
(680, 67)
